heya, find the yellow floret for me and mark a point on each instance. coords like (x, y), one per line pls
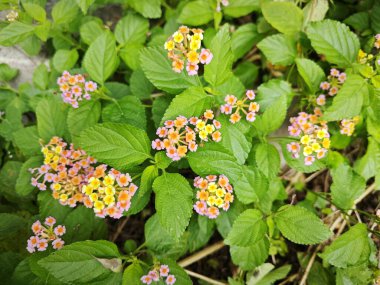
(169, 45)
(305, 139)
(109, 199)
(98, 205)
(177, 37)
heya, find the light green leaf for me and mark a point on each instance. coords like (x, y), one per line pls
(192, 102)
(140, 85)
(277, 14)
(369, 165)
(346, 187)
(149, 174)
(96, 259)
(349, 100)
(334, 40)
(27, 140)
(65, 59)
(268, 159)
(279, 49)
(300, 225)
(200, 230)
(250, 184)
(41, 77)
(238, 8)
(130, 54)
(132, 29)
(119, 145)
(7, 73)
(265, 275)
(90, 31)
(179, 273)
(101, 60)
(314, 11)
(132, 274)
(243, 39)
(225, 220)
(158, 70)
(174, 202)
(84, 5)
(14, 33)
(351, 248)
(250, 257)
(64, 12)
(219, 69)
(35, 11)
(51, 118)
(359, 21)
(83, 117)
(247, 229)
(269, 92)
(10, 224)
(311, 73)
(196, 13)
(147, 8)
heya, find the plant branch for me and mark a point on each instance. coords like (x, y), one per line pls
(201, 254)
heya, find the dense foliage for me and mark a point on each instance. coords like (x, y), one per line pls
(156, 129)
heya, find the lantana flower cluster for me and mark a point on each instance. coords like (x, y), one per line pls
(160, 272)
(65, 171)
(75, 88)
(238, 107)
(220, 3)
(331, 87)
(44, 234)
(73, 177)
(109, 192)
(347, 126)
(181, 135)
(184, 47)
(314, 137)
(215, 192)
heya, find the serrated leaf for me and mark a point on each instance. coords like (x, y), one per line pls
(247, 229)
(202, 9)
(238, 8)
(84, 5)
(315, 11)
(27, 140)
(174, 202)
(335, 41)
(300, 225)
(132, 274)
(349, 100)
(35, 11)
(64, 11)
(269, 92)
(351, 248)
(10, 224)
(158, 70)
(101, 60)
(250, 257)
(249, 184)
(277, 14)
(180, 274)
(219, 69)
(200, 230)
(268, 159)
(14, 33)
(243, 39)
(131, 29)
(279, 49)
(311, 73)
(90, 31)
(147, 8)
(119, 145)
(65, 59)
(192, 102)
(23, 185)
(346, 187)
(149, 174)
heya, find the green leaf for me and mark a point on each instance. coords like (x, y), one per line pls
(247, 229)
(213, 158)
(279, 49)
(250, 257)
(234, 139)
(346, 187)
(101, 60)
(351, 248)
(27, 140)
(226, 219)
(174, 202)
(159, 107)
(300, 225)
(359, 21)
(179, 273)
(158, 240)
(65, 59)
(200, 231)
(98, 260)
(132, 274)
(269, 92)
(51, 118)
(361, 274)
(42, 31)
(41, 77)
(277, 14)
(238, 8)
(84, 5)
(250, 184)
(192, 102)
(132, 29)
(243, 39)
(130, 54)
(268, 159)
(349, 100)
(64, 12)
(315, 11)
(35, 11)
(149, 174)
(147, 8)
(83, 117)
(10, 224)
(127, 110)
(334, 39)
(119, 145)
(311, 73)
(90, 31)
(140, 85)
(219, 69)
(15, 33)
(369, 165)
(196, 13)
(23, 183)
(7, 73)
(265, 276)
(158, 70)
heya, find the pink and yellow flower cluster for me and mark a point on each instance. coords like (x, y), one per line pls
(44, 234)
(334, 82)
(184, 47)
(73, 177)
(314, 137)
(181, 135)
(215, 192)
(236, 107)
(160, 272)
(347, 126)
(75, 88)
